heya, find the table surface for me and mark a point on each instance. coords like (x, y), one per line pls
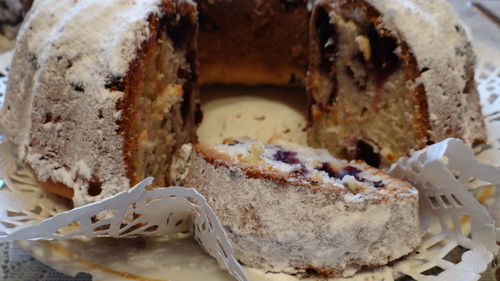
(17, 265)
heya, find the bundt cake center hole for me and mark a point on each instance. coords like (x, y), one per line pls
(257, 112)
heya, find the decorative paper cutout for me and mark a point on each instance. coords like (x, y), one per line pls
(449, 212)
(139, 212)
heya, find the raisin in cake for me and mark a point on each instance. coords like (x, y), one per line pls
(298, 210)
(387, 77)
(101, 93)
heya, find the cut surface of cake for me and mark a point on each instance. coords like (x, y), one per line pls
(389, 77)
(298, 210)
(102, 94)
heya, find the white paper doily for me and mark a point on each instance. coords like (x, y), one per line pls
(449, 216)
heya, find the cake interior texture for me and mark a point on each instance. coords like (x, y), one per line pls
(362, 85)
(163, 97)
(298, 210)
(253, 42)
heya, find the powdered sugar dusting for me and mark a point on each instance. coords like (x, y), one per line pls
(445, 57)
(58, 109)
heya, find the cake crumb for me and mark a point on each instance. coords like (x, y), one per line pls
(364, 46)
(254, 155)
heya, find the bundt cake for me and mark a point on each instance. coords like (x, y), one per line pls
(300, 211)
(101, 93)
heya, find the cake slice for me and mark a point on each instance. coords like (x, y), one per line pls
(389, 77)
(300, 211)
